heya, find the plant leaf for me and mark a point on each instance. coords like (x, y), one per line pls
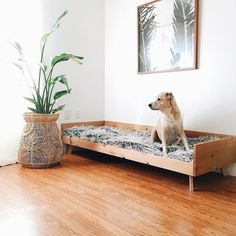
(54, 27)
(32, 101)
(60, 17)
(61, 79)
(61, 93)
(45, 37)
(66, 57)
(54, 80)
(43, 67)
(18, 66)
(40, 106)
(17, 46)
(58, 109)
(33, 110)
(35, 102)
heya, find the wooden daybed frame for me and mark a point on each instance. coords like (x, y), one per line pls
(207, 156)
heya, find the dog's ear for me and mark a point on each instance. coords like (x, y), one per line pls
(170, 95)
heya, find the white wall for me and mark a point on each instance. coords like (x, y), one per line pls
(15, 26)
(81, 33)
(205, 96)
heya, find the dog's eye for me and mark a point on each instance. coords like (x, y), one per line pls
(158, 99)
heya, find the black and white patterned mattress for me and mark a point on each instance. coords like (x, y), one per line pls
(134, 140)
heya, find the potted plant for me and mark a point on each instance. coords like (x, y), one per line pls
(41, 145)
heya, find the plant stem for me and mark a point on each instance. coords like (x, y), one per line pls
(52, 106)
(45, 87)
(40, 69)
(48, 92)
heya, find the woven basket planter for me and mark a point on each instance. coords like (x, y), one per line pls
(41, 145)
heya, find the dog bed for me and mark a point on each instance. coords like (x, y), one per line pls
(208, 151)
(134, 140)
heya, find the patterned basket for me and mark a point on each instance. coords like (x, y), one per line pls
(41, 145)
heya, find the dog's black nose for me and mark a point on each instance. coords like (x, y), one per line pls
(150, 105)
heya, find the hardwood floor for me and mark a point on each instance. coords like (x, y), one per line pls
(95, 194)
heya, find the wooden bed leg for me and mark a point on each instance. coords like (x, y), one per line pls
(191, 187)
(70, 149)
(223, 172)
(65, 147)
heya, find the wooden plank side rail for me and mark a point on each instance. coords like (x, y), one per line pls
(192, 134)
(153, 160)
(96, 123)
(128, 126)
(215, 154)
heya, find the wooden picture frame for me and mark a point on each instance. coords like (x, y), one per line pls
(167, 36)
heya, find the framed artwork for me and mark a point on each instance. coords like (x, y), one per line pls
(167, 36)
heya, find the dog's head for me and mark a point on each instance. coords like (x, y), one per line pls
(164, 101)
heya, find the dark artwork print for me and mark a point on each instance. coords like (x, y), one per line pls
(166, 34)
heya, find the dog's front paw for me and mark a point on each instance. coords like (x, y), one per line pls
(165, 153)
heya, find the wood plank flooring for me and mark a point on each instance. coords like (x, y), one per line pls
(95, 194)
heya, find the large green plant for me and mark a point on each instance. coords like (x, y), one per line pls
(44, 94)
